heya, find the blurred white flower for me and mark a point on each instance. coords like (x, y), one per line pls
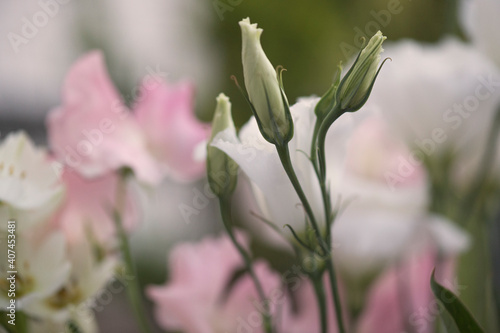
(75, 298)
(439, 98)
(480, 20)
(30, 188)
(42, 269)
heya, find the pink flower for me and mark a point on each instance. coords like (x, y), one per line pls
(194, 299)
(166, 115)
(88, 206)
(91, 131)
(200, 298)
(94, 132)
(402, 298)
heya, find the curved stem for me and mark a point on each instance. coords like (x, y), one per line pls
(284, 155)
(133, 289)
(225, 209)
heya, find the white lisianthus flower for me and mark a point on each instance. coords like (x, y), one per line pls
(440, 99)
(42, 269)
(30, 188)
(384, 202)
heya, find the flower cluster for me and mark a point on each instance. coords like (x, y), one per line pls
(73, 204)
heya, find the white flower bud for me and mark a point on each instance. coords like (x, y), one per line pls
(221, 169)
(358, 82)
(264, 90)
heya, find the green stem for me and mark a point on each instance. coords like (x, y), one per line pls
(133, 289)
(320, 296)
(335, 292)
(225, 209)
(284, 154)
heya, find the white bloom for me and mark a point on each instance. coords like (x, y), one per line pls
(385, 199)
(480, 20)
(42, 268)
(30, 189)
(75, 298)
(222, 172)
(439, 98)
(259, 160)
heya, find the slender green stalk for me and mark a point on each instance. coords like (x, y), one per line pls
(284, 154)
(225, 209)
(320, 296)
(133, 289)
(335, 292)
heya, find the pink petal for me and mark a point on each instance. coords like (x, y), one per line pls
(166, 115)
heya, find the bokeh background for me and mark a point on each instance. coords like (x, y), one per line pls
(195, 40)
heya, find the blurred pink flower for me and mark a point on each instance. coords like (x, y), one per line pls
(94, 132)
(198, 297)
(166, 115)
(402, 297)
(86, 211)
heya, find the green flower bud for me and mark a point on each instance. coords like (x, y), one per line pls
(222, 171)
(327, 101)
(265, 92)
(357, 84)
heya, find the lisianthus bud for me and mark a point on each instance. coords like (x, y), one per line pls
(358, 82)
(269, 103)
(221, 169)
(327, 101)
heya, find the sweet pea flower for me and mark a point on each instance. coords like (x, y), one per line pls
(383, 196)
(194, 299)
(165, 113)
(92, 131)
(198, 297)
(30, 188)
(86, 213)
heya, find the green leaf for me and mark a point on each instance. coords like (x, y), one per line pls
(462, 321)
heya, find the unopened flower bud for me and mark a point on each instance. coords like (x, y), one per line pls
(327, 101)
(222, 171)
(357, 84)
(269, 103)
